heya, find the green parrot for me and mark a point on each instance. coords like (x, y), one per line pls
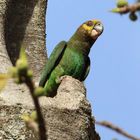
(71, 58)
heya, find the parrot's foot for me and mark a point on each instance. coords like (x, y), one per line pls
(63, 77)
(58, 80)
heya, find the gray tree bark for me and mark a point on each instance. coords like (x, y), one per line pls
(24, 25)
(68, 115)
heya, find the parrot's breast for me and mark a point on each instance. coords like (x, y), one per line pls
(73, 63)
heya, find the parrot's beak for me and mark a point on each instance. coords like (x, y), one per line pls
(97, 30)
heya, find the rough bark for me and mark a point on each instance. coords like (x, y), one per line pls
(68, 115)
(4, 59)
(22, 23)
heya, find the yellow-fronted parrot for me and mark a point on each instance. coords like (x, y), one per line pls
(70, 58)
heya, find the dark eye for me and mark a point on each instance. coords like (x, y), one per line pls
(90, 23)
(98, 24)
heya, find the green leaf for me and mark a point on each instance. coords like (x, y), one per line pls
(33, 116)
(25, 117)
(23, 54)
(115, 10)
(39, 91)
(21, 63)
(122, 3)
(30, 120)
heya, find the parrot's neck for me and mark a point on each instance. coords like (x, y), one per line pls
(81, 42)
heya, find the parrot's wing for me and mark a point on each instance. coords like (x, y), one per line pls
(87, 70)
(53, 60)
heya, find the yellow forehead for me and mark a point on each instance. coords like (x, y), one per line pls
(89, 28)
(86, 27)
(95, 21)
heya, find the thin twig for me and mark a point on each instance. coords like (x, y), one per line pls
(129, 8)
(117, 129)
(41, 122)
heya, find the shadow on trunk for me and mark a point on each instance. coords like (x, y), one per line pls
(17, 16)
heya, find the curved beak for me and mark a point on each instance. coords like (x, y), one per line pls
(97, 30)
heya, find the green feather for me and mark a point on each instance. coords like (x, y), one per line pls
(52, 62)
(85, 74)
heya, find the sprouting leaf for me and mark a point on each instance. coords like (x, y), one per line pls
(21, 63)
(122, 3)
(3, 80)
(115, 10)
(30, 120)
(23, 54)
(33, 116)
(26, 117)
(39, 91)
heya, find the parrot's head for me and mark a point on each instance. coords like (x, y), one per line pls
(91, 29)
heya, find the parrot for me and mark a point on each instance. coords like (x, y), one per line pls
(70, 57)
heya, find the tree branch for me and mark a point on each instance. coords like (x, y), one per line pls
(41, 122)
(128, 8)
(116, 129)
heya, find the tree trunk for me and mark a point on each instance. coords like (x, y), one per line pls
(68, 115)
(24, 25)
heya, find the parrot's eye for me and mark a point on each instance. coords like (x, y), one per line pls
(89, 23)
(98, 24)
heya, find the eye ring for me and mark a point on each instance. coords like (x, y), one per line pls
(90, 23)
